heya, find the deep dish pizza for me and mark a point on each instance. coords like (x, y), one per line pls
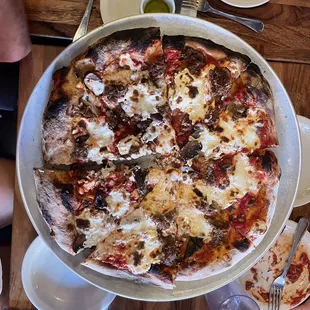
(165, 137)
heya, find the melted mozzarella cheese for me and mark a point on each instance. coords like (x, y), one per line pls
(127, 143)
(242, 180)
(118, 202)
(235, 135)
(100, 134)
(99, 227)
(138, 227)
(164, 134)
(94, 83)
(195, 105)
(191, 222)
(132, 60)
(142, 99)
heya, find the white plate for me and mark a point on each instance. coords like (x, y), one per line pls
(50, 285)
(245, 4)
(303, 194)
(116, 9)
(305, 243)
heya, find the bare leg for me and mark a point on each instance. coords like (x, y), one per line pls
(7, 176)
(14, 37)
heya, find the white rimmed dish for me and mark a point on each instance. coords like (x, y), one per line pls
(245, 4)
(50, 285)
(111, 10)
(29, 155)
(266, 273)
(303, 193)
(170, 3)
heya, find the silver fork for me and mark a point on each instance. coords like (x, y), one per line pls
(204, 6)
(82, 30)
(276, 288)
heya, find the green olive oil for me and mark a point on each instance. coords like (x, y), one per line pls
(157, 6)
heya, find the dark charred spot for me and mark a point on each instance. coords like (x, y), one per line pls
(192, 91)
(237, 110)
(54, 109)
(100, 203)
(135, 93)
(179, 99)
(156, 70)
(116, 117)
(46, 215)
(191, 149)
(82, 224)
(70, 227)
(242, 245)
(115, 91)
(220, 80)
(143, 125)
(137, 258)
(218, 129)
(52, 233)
(140, 175)
(66, 192)
(78, 243)
(170, 250)
(82, 124)
(103, 149)
(224, 139)
(141, 245)
(261, 96)
(81, 139)
(198, 192)
(197, 132)
(194, 245)
(194, 60)
(267, 162)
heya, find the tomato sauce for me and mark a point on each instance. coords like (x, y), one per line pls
(117, 261)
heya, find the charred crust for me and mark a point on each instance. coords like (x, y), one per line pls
(54, 109)
(78, 243)
(66, 192)
(82, 224)
(191, 149)
(194, 245)
(267, 161)
(242, 245)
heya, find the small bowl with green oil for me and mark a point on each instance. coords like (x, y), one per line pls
(157, 6)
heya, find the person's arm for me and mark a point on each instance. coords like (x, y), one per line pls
(14, 37)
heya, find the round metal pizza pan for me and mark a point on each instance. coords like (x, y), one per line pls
(29, 155)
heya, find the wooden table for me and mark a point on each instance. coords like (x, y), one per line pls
(285, 43)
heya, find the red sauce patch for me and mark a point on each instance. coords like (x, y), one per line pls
(117, 261)
(182, 126)
(265, 296)
(172, 59)
(294, 272)
(254, 271)
(249, 285)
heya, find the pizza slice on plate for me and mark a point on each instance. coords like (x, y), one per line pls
(220, 103)
(246, 195)
(82, 207)
(106, 106)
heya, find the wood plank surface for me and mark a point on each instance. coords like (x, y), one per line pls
(286, 36)
(295, 78)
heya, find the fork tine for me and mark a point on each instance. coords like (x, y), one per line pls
(271, 298)
(279, 295)
(192, 4)
(274, 298)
